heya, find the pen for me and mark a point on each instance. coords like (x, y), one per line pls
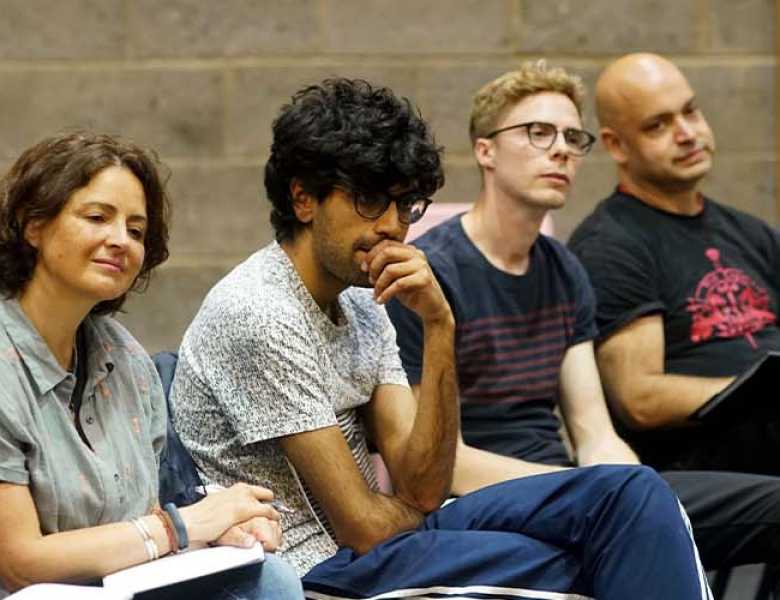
(280, 507)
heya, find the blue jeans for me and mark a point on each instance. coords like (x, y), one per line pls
(273, 579)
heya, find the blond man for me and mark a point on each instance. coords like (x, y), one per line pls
(525, 310)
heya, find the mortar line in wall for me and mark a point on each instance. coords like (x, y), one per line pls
(125, 15)
(777, 110)
(459, 158)
(319, 60)
(704, 33)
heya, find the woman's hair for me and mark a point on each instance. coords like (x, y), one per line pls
(496, 97)
(347, 132)
(43, 179)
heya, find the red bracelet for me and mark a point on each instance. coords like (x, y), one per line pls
(169, 530)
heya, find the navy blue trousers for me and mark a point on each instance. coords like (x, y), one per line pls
(607, 532)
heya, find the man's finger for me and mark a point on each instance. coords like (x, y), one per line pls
(415, 281)
(395, 271)
(387, 255)
(377, 248)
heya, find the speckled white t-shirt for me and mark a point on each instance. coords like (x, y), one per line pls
(260, 361)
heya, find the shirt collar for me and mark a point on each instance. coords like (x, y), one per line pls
(45, 372)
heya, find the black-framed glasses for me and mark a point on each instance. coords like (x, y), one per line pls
(411, 208)
(542, 135)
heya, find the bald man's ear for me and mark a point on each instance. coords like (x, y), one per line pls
(613, 145)
(304, 204)
(484, 152)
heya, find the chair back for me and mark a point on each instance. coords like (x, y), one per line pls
(180, 481)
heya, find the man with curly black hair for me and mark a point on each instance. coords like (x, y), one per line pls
(290, 368)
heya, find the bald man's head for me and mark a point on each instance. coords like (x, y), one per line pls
(651, 124)
(628, 82)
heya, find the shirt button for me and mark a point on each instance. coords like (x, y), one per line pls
(116, 476)
(90, 420)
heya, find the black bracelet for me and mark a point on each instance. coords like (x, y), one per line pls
(178, 524)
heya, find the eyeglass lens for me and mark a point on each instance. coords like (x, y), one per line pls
(373, 206)
(542, 136)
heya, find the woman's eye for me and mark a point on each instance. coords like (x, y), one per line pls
(137, 234)
(97, 218)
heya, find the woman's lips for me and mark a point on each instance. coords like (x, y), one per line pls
(112, 265)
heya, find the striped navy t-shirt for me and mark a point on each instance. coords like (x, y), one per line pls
(512, 332)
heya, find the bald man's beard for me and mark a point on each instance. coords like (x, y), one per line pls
(672, 178)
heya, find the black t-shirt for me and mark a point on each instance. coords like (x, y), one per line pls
(715, 278)
(512, 332)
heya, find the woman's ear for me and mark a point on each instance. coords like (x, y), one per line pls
(32, 233)
(304, 204)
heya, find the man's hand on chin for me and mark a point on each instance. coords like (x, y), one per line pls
(401, 271)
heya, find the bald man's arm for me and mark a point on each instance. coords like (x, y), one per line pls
(631, 362)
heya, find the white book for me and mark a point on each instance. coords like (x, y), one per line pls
(61, 591)
(181, 567)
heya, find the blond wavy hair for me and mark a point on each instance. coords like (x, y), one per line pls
(496, 97)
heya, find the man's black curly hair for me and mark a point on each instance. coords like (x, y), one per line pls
(347, 132)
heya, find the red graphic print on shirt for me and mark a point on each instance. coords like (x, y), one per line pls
(727, 303)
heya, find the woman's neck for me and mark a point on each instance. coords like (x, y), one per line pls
(56, 320)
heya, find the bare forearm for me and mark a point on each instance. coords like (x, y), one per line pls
(666, 400)
(608, 449)
(430, 451)
(383, 517)
(475, 469)
(80, 555)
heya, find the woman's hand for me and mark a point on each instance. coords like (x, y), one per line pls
(241, 503)
(258, 529)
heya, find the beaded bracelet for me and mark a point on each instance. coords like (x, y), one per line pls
(173, 544)
(152, 551)
(178, 524)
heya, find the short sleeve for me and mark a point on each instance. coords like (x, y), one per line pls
(409, 337)
(774, 257)
(624, 278)
(159, 424)
(13, 463)
(584, 304)
(391, 369)
(266, 376)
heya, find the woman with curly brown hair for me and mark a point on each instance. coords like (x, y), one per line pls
(84, 220)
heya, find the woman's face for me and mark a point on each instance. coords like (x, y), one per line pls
(94, 248)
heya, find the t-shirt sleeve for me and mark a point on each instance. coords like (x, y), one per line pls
(584, 304)
(409, 335)
(159, 424)
(624, 278)
(266, 376)
(774, 252)
(390, 368)
(13, 463)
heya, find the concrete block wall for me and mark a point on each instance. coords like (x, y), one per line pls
(201, 81)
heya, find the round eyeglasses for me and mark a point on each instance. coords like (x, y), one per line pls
(542, 135)
(411, 208)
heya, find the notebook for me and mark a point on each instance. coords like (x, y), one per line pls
(753, 394)
(181, 567)
(61, 591)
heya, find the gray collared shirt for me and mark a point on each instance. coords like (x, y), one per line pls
(123, 416)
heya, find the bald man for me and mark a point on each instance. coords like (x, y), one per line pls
(687, 288)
